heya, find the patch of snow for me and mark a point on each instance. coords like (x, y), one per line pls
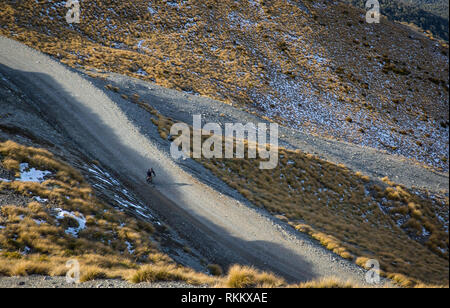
(39, 221)
(129, 247)
(39, 199)
(144, 215)
(425, 232)
(151, 10)
(80, 220)
(28, 174)
(443, 250)
(26, 250)
(122, 197)
(141, 72)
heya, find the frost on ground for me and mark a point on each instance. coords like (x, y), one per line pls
(121, 196)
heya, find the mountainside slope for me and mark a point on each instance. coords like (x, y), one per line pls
(218, 225)
(312, 65)
(406, 230)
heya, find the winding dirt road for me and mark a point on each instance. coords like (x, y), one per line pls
(220, 227)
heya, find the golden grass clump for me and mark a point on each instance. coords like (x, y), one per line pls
(328, 283)
(329, 242)
(27, 268)
(11, 164)
(154, 273)
(402, 280)
(92, 273)
(247, 277)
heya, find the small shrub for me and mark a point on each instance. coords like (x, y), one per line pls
(215, 269)
(327, 283)
(27, 268)
(242, 277)
(92, 273)
(11, 164)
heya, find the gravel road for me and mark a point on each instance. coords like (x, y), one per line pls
(223, 228)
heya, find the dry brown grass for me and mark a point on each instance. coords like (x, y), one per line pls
(328, 241)
(209, 71)
(34, 242)
(178, 51)
(247, 277)
(346, 220)
(328, 283)
(152, 273)
(346, 212)
(93, 273)
(27, 268)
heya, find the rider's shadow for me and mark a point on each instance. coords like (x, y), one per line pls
(176, 184)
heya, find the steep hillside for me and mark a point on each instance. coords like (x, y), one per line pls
(313, 65)
(49, 215)
(350, 214)
(58, 205)
(60, 109)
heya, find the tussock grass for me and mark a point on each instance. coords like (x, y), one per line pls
(178, 51)
(247, 277)
(346, 212)
(34, 241)
(153, 273)
(92, 273)
(328, 241)
(4, 270)
(27, 268)
(402, 280)
(328, 283)
(11, 164)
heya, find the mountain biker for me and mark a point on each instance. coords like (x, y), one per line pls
(150, 174)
